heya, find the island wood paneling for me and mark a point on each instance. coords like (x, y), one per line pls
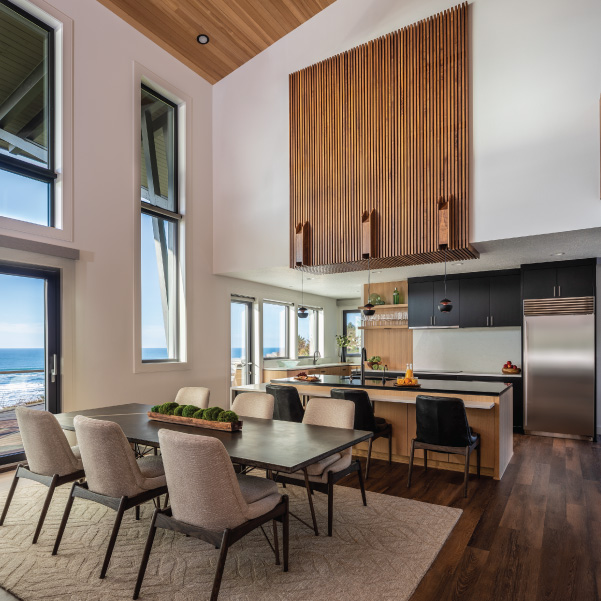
(384, 128)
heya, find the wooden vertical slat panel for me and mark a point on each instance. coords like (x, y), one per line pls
(384, 127)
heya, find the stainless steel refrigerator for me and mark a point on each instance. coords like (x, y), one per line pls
(559, 367)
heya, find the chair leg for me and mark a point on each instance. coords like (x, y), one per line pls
(166, 501)
(220, 566)
(425, 460)
(368, 458)
(114, 533)
(467, 470)
(361, 484)
(137, 512)
(390, 449)
(478, 460)
(276, 544)
(146, 556)
(51, 489)
(286, 533)
(11, 492)
(331, 502)
(61, 529)
(309, 496)
(411, 463)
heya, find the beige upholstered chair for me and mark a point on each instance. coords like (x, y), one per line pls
(209, 502)
(115, 478)
(254, 404)
(322, 475)
(50, 459)
(194, 395)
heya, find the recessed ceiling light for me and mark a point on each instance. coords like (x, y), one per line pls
(376, 272)
(309, 279)
(557, 254)
(457, 263)
(203, 39)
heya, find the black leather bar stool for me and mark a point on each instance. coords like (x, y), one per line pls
(288, 406)
(365, 419)
(442, 426)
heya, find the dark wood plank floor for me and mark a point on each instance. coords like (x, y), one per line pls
(533, 536)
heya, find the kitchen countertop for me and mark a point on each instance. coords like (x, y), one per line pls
(441, 373)
(444, 386)
(310, 366)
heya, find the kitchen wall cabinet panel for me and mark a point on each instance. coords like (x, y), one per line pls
(474, 303)
(575, 281)
(559, 280)
(420, 304)
(505, 301)
(539, 283)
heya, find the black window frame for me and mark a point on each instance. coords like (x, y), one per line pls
(287, 329)
(346, 354)
(175, 217)
(17, 166)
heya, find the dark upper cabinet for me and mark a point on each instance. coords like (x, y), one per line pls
(474, 303)
(505, 301)
(420, 303)
(540, 283)
(452, 317)
(559, 281)
(576, 281)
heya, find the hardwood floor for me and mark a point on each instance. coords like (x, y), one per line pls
(533, 536)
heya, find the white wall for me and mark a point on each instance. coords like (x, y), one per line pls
(98, 290)
(472, 350)
(536, 85)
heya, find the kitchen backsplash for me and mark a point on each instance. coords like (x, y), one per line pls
(477, 350)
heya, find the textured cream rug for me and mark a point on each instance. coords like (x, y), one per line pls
(381, 551)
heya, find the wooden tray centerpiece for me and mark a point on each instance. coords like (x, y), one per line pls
(213, 418)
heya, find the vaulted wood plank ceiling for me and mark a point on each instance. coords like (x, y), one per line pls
(238, 29)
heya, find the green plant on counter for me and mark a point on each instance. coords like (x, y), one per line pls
(198, 414)
(190, 410)
(212, 413)
(178, 410)
(342, 341)
(168, 408)
(227, 416)
(155, 408)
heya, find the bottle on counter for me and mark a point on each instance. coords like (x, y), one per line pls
(409, 372)
(396, 297)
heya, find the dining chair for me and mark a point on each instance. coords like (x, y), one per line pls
(442, 426)
(287, 404)
(365, 419)
(322, 475)
(51, 461)
(254, 404)
(211, 503)
(194, 395)
(114, 477)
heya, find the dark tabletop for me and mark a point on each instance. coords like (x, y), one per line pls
(271, 444)
(451, 387)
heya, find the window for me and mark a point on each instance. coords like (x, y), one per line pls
(307, 336)
(27, 169)
(351, 323)
(275, 330)
(159, 228)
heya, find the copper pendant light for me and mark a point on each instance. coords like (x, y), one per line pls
(302, 310)
(445, 305)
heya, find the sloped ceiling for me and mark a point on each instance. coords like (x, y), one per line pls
(238, 29)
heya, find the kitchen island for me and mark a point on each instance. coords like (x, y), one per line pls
(489, 407)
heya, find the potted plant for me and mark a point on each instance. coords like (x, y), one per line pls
(342, 342)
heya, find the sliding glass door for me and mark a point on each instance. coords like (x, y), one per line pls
(29, 349)
(242, 342)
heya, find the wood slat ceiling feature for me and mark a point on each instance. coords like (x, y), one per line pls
(383, 130)
(238, 29)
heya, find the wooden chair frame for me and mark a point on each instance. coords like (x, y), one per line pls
(120, 505)
(465, 451)
(51, 482)
(163, 518)
(324, 487)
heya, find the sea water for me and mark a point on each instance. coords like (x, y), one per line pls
(17, 389)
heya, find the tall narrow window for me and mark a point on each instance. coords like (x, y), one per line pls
(350, 327)
(27, 170)
(275, 330)
(159, 228)
(307, 333)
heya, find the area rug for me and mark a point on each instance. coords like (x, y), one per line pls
(381, 551)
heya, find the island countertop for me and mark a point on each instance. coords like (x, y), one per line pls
(451, 387)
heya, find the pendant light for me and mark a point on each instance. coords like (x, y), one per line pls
(369, 308)
(302, 310)
(445, 305)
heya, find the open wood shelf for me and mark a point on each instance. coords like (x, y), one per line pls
(400, 306)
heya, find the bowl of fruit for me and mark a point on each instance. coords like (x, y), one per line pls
(404, 382)
(509, 368)
(374, 362)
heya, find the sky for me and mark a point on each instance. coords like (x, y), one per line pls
(13, 187)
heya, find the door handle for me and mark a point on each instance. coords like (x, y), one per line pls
(434, 319)
(487, 321)
(53, 370)
(558, 290)
(554, 290)
(492, 321)
(431, 318)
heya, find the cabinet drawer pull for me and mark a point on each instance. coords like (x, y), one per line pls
(558, 290)
(554, 290)
(492, 321)
(487, 321)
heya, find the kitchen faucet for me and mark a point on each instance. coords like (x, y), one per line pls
(315, 355)
(363, 360)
